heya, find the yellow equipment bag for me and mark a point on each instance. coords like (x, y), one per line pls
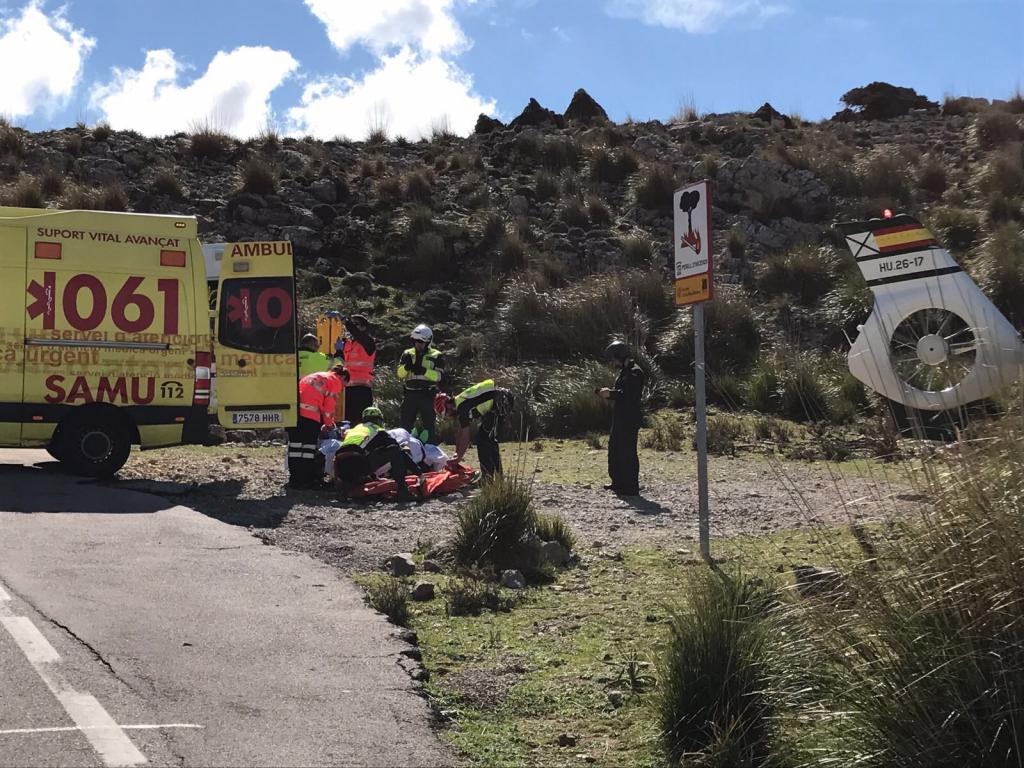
(329, 329)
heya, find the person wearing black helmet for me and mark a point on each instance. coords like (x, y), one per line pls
(311, 360)
(623, 461)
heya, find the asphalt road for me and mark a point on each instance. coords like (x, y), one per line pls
(133, 631)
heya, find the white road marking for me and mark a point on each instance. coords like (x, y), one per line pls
(106, 736)
(66, 728)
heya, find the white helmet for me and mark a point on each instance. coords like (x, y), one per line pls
(422, 333)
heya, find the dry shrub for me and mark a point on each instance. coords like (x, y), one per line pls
(805, 273)
(559, 153)
(12, 141)
(637, 252)
(113, 198)
(885, 176)
(931, 177)
(574, 214)
(996, 128)
(165, 182)
(1004, 174)
(102, 131)
(51, 182)
(655, 190)
(598, 211)
(512, 257)
(258, 177)
(207, 142)
(546, 186)
(418, 187)
(27, 194)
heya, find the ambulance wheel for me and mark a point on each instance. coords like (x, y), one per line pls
(57, 447)
(95, 445)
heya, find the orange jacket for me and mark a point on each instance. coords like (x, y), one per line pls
(318, 396)
(358, 363)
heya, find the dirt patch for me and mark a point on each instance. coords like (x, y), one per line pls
(244, 486)
(483, 687)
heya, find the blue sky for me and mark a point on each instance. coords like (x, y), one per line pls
(338, 67)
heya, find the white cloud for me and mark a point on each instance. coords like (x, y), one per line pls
(41, 59)
(415, 84)
(383, 25)
(691, 15)
(233, 95)
(407, 95)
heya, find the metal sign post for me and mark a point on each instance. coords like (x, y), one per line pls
(693, 244)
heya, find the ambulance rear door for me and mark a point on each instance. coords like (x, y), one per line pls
(12, 332)
(255, 347)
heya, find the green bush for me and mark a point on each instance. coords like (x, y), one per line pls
(1002, 208)
(844, 307)
(726, 391)
(656, 188)
(569, 407)
(732, 338)
(554, 528)
(493, 529)
(764, 387)
(1004, 174)
(637, 252)
(473, 595)
(1002, 271)
(885, 176)
(723, 432)
(389, 596)
(714, 703)
(569, 323)
(258, 177)
(612, 168)
(512, 256)
(665, 432)
(925, 667)
(805, 273)
(806, 391)
(958, 229)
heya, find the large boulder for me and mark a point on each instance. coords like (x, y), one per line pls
(583, 109)
(770, 115)
(486, 124)
(536, 116)
(882, 101)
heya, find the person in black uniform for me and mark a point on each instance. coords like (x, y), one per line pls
(623, 461)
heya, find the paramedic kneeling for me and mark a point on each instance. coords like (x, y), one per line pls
(366, 448)
(318, 397)
(489, 404)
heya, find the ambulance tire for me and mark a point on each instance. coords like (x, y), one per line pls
(58, 446)
(95, 444)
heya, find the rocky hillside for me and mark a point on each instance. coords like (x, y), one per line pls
(528, 244)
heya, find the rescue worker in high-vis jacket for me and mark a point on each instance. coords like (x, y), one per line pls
(488, 403)
(311, 360)
(318, 397)
(359, 351)
(367, 447)
(421, 370)
(623, 461)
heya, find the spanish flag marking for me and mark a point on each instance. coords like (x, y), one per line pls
(901, 238)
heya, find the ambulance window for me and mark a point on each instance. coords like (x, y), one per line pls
(257, 314)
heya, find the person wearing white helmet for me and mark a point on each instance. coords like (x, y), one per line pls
(421, 371)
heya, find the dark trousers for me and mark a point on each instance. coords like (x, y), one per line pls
(419, 403)
(357, 399)
(623, 461)
(354, 466)
(488, 450)
(305, 462)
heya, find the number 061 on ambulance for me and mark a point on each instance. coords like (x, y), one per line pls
(119, 329)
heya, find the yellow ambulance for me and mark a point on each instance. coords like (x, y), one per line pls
(110, 328)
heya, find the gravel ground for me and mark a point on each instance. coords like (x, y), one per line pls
(241, 485)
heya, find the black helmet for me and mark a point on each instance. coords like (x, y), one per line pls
(617, 350)
(310, 338)
(360, 320)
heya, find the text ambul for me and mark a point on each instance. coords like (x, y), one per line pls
(122, 390)
(244, 250)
